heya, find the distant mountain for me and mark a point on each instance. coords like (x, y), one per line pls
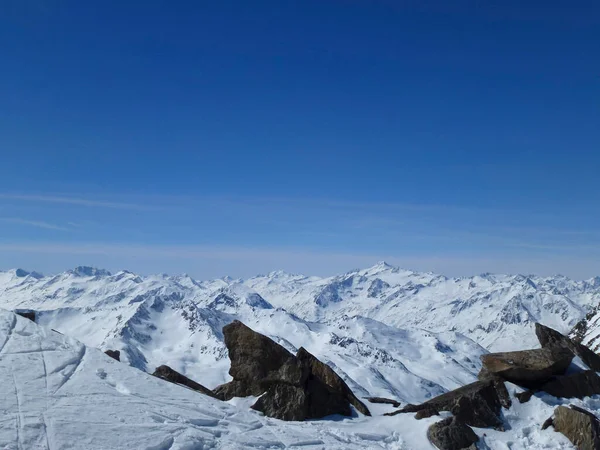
(387, 331)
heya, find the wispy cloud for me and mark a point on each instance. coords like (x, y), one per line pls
(33, 223)
(75, 201)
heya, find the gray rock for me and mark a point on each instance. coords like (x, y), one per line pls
(425, 413)
(528, 368)
(114, 354)
(385, 401)
(577, 385)
(549, 338)
(325, 374)
(168, 374)
(452, 434)
(285, 402)
(580, 426)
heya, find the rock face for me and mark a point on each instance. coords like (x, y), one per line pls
(550, 338)
(27, 313)
(168, 374)
(114, 354)
(452, 434)
(326, 375)
(386, 401)
(579, 426)
(291, 387)
(528, 368)
(257, 362)
(578, 385)
(425, 413)
(476, 404)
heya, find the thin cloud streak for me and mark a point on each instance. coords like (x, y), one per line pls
(75, 201)
(33, 223)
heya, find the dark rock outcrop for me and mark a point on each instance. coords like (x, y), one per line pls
(427, 412)
(528, 368)
(382, 400)
(524, 396)
(168, 374)
(476, 404)
(548, 423)
(285, 402)
(581, 427)
(550, 338)
(325, 374)
(28, 314)
(257, 363)
(578, 385)
(291, 387)
(114, 354)
(452, 434)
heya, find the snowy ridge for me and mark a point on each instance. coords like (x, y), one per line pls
(387, 331)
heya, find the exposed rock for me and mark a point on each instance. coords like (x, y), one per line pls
(580, 426)
(427, 412)
(503, 394)
(382, 400)
(578, 385)
(291, 387)
(528, 368)
(451, 434)
(257, 362)
(476, 404)
(168, 374)
(114, 354)
(548, 423)
(28, 314)
(551, 338)
(285, 402)
(326, 374)
(524, 396)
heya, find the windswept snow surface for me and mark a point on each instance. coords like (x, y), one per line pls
(57, 394)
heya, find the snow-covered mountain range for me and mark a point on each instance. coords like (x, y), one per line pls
(387, 331)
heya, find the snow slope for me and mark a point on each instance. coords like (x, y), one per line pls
(387, 331)
(58, 394)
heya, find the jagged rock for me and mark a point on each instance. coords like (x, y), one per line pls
(257, 362)
(581, 427)
(168, 374)
(427, 412)
(452, 434)
(291, 387)
(28, 314)
(503, 394)
(386, 401)
(114, 354)
(284, 401)
(476, 404)
(528, 368)
(578, 385)
(548, 423)
(551, 338)
(326, 374)
(524, 396)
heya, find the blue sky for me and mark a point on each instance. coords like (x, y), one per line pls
(238, 137)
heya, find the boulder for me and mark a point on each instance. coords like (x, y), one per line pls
(114, 354)
(550, 338)
(476, 404)
(290, 387)
(325, 374)
(284, 401)
(27, 313)
(578, 385)
(382, 400)
(168, 374)
(452, 434)
(257, 362)
(425, 413)
(581, 427)
(528, 368)
(524, 396)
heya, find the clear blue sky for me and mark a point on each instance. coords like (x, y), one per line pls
(237, 137)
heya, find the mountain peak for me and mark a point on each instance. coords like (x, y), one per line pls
(88, 271)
